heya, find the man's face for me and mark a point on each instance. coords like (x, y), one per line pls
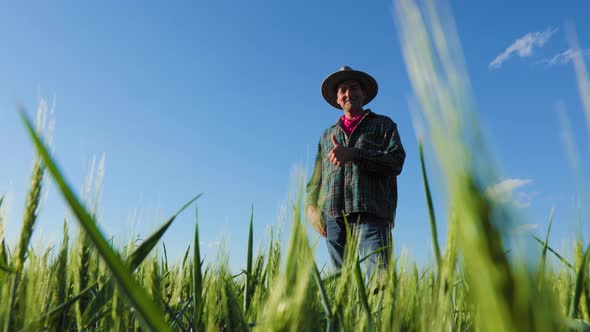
(350, 95)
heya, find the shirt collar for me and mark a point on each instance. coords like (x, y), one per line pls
(366, 113)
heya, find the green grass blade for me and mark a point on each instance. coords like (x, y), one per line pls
(100, 314)
(197, 278)
(333, 277)
(165, 263)
(3, 251)
(146, 246)
(324, 297)
(546, 245)
(563, 260)
(548, 231)
(134, 260)
(362, 292)
(6, 268)
(433, 230)
(248, 286)
(376, 251)
(99, 301)
(60, 282)
(59, 309)
(172, 314)
(136, 295)
(580, 280)
(185, 258)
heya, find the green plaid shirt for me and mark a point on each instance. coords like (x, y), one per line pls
(366, 185)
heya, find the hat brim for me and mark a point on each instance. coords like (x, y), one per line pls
(330, 84)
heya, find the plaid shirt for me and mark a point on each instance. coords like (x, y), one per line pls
(366, 185)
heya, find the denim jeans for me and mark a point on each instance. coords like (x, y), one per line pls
(373, 233)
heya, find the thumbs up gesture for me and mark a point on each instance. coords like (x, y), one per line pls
(341, 154)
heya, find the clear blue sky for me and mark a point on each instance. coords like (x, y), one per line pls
(224, 98)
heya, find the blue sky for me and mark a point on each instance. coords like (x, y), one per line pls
(224, 98)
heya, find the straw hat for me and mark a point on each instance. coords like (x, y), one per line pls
(330, 84)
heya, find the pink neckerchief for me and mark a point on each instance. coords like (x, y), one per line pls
(349, 124)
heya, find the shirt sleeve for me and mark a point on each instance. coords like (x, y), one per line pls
(314, 184)
(387, 161)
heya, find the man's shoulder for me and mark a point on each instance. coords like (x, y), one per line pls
(380, 118)
(328, 131)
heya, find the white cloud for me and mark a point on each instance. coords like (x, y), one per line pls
(505, 189)
(525, 199)
(565, 57)
(214, 244)
(523, 47)
(524, 228)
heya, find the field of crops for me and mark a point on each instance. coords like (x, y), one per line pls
(87, 285)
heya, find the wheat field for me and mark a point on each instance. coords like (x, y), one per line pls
(86, 284)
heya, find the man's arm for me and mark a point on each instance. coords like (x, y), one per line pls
(312, 204)
(313, 186)
(387, 161)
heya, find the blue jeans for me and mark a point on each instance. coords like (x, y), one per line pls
(373, 233)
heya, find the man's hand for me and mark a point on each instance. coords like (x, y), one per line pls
(341, 154)
(313, 215)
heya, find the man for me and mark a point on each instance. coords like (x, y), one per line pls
(355, 175)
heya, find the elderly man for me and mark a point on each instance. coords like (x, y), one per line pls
(355, 175)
